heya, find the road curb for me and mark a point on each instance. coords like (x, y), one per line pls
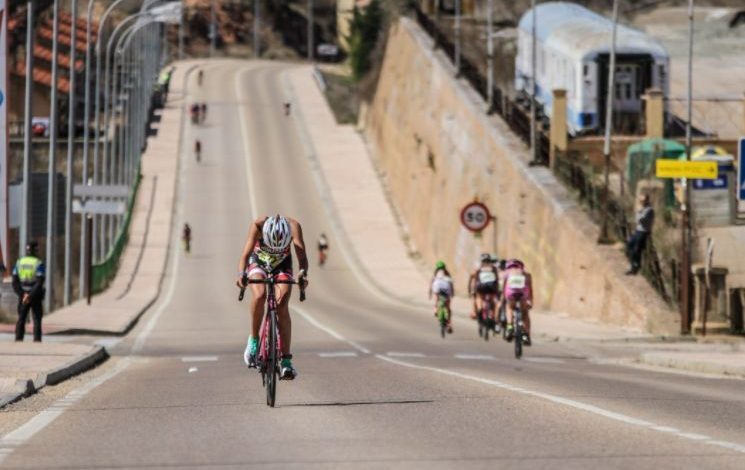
(26, 387)
(690, 364)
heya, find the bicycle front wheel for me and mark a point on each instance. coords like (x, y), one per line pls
(271, 366)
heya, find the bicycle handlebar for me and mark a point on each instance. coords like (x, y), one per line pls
(272, 282)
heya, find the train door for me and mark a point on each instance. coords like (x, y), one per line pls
(627, 92)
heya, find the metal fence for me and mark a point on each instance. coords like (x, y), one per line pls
(587, 183)
(515, 114)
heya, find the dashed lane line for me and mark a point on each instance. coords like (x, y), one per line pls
(199, 358)
(338, 354)
(404, 354)
(477, 357)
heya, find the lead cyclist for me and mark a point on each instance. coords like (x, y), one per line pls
(267, 252)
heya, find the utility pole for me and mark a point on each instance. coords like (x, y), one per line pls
(604, 236)
(51, 182)
(26, 231)
(257, 24)
(70, 154)
(489, 56)
(685, 209)
(310, 30)
(213, 28)
(533, 80)
(181, 33)
(456, 59)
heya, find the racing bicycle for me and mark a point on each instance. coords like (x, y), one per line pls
(486, 316)
(518, 328)
(442, 313)
(270, 343)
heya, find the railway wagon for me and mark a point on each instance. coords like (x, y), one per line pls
(573, 47)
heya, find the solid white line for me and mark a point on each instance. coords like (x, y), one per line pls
(20, 435)
(404, 354)
(328, 330)
(478, 357)
(199, 359)
(338, 354)
(244, 138)
(192, 370)
(575, 404)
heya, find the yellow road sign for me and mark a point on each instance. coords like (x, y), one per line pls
(684, 169)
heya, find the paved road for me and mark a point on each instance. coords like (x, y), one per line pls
(377, 387)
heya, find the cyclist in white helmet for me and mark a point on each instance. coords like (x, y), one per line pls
(268, 253)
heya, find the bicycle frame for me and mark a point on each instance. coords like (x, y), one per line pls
(270, 345)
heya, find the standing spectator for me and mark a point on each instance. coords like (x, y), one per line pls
(203, 113)
(28, 284)
(638, 240)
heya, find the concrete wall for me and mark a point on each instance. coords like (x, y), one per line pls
(437, 151)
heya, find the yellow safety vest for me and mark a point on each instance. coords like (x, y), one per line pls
(26, 268)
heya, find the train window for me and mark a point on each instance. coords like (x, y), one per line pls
(585, 70)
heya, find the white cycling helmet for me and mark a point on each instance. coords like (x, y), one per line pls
(276, 233)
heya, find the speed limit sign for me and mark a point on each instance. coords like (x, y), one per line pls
(475, 216)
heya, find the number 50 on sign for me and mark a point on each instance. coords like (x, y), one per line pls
(475, 216)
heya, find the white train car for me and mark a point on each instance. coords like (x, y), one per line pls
(573, 53)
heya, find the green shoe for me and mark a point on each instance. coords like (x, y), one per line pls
(249, 355)
(287, 372)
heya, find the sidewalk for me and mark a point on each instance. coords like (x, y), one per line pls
(137, 282)
(27, 367)
(364, 222)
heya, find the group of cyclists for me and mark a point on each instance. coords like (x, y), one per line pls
(495, 286)
(198, 112)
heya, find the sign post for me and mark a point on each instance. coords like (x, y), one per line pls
(741, 171)
(686, 169)
(475, 217)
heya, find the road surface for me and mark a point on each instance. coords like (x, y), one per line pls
(377, 387)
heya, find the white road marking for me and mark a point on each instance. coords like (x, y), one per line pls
(246, 143)
(477, 357)
(20, 435)
(109, 343)
(575, 404)
(338, 354)
(544, 360)
(404, 354)
(328, 330)
(199, 359)
(192, 370)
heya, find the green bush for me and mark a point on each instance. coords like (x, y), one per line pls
(364, 30)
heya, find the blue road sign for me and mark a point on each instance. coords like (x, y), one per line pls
(741, 170)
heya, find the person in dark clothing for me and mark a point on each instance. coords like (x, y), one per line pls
(638, 240)
(28, 284)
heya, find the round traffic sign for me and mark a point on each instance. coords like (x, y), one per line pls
(475, 216)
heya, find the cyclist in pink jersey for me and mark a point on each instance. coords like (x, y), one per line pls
(517, 288)
(267, 252)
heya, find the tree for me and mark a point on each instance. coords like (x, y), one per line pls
(364, 29)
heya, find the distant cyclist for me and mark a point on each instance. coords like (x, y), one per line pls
(288, 108)
(484, 282)
(194, 111)
(323, 246)
(198, 150)
(200, 77)
(186, 237)
(442, 284)
(203, 112)
(267, 252)
(518, 291)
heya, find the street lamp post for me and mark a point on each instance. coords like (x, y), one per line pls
(26, 231)
(686, 241)
(533, 80)
(51, 181)
(604, 235)
(456, 28)
(67, 291)
(310, 30)
(489, 56)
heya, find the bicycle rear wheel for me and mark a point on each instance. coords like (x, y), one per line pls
(271, 365)
(518, 335)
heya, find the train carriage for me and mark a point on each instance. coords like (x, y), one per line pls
(573, 53)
